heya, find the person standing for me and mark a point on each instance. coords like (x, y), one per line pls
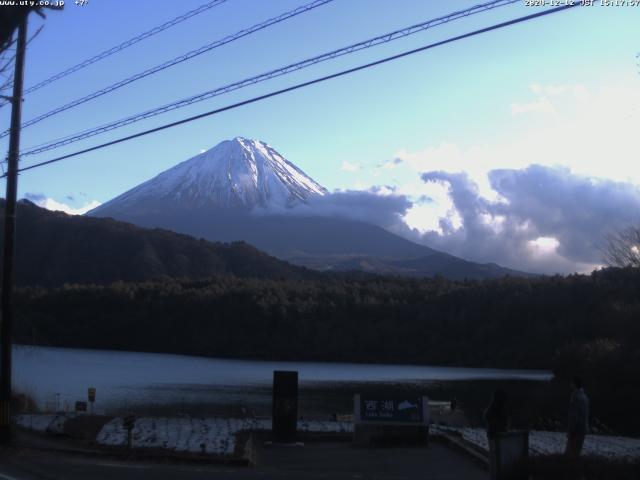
(578, 418)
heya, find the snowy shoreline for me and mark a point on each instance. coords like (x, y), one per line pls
(217, 435)
(553, 443)
(208, 435)
(199, 435)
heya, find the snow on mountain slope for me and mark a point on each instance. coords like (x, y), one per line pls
(235, 173)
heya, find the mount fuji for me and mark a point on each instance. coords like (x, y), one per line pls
(236, 174)
(215, 195)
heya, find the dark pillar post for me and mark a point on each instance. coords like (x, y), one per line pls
(285, 406)
(6, 300)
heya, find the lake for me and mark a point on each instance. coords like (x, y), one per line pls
(57, 377)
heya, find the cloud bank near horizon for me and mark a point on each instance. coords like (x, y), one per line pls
(54, 205)
(540, 219)
(513, 204)
(544, 219)
(379, 206)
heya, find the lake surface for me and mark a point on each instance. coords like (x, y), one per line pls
(57, 377)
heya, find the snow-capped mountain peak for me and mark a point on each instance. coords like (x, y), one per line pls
(235, 173)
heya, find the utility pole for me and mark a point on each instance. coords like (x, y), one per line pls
(6, 300)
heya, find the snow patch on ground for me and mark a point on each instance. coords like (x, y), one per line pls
(217, 436)
(199, 435)
(550, 443)
(39, 423)
(51, 423)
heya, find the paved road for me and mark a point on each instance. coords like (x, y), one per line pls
(34, 465)
(315, 461)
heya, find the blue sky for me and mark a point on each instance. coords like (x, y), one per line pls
(560, 91)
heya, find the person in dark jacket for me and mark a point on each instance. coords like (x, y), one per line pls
(578, 419)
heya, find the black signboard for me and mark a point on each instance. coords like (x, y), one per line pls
(285, 406)
(397, 409)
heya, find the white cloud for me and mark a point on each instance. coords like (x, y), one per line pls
(359, 185)
(542, 105)
(578, 91)
(548, 98)
(582, 138)
(350, 167)
(51, 204)
(379, 206)
(538, 194)
(593, 131)
(475, 161)
(390, 164)
(543, 245)
(552, 221)
(428, 217)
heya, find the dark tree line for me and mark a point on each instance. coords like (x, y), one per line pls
(512, 322)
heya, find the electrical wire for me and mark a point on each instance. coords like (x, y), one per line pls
(125, 44)
(304, 84)
(381, 39)
(175, 61)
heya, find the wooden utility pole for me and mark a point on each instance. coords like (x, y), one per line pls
(6, 300)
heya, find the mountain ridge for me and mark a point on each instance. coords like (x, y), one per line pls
(216, 195)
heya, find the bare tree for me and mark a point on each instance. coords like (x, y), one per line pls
(622, 248)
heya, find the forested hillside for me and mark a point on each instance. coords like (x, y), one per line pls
(53, 248)
(512, 322)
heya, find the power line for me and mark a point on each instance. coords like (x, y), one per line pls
(126, 44)
(175, 61)
(386, 38)
(304, 84)
(9, 83)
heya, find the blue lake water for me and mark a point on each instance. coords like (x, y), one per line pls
(58, 375)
